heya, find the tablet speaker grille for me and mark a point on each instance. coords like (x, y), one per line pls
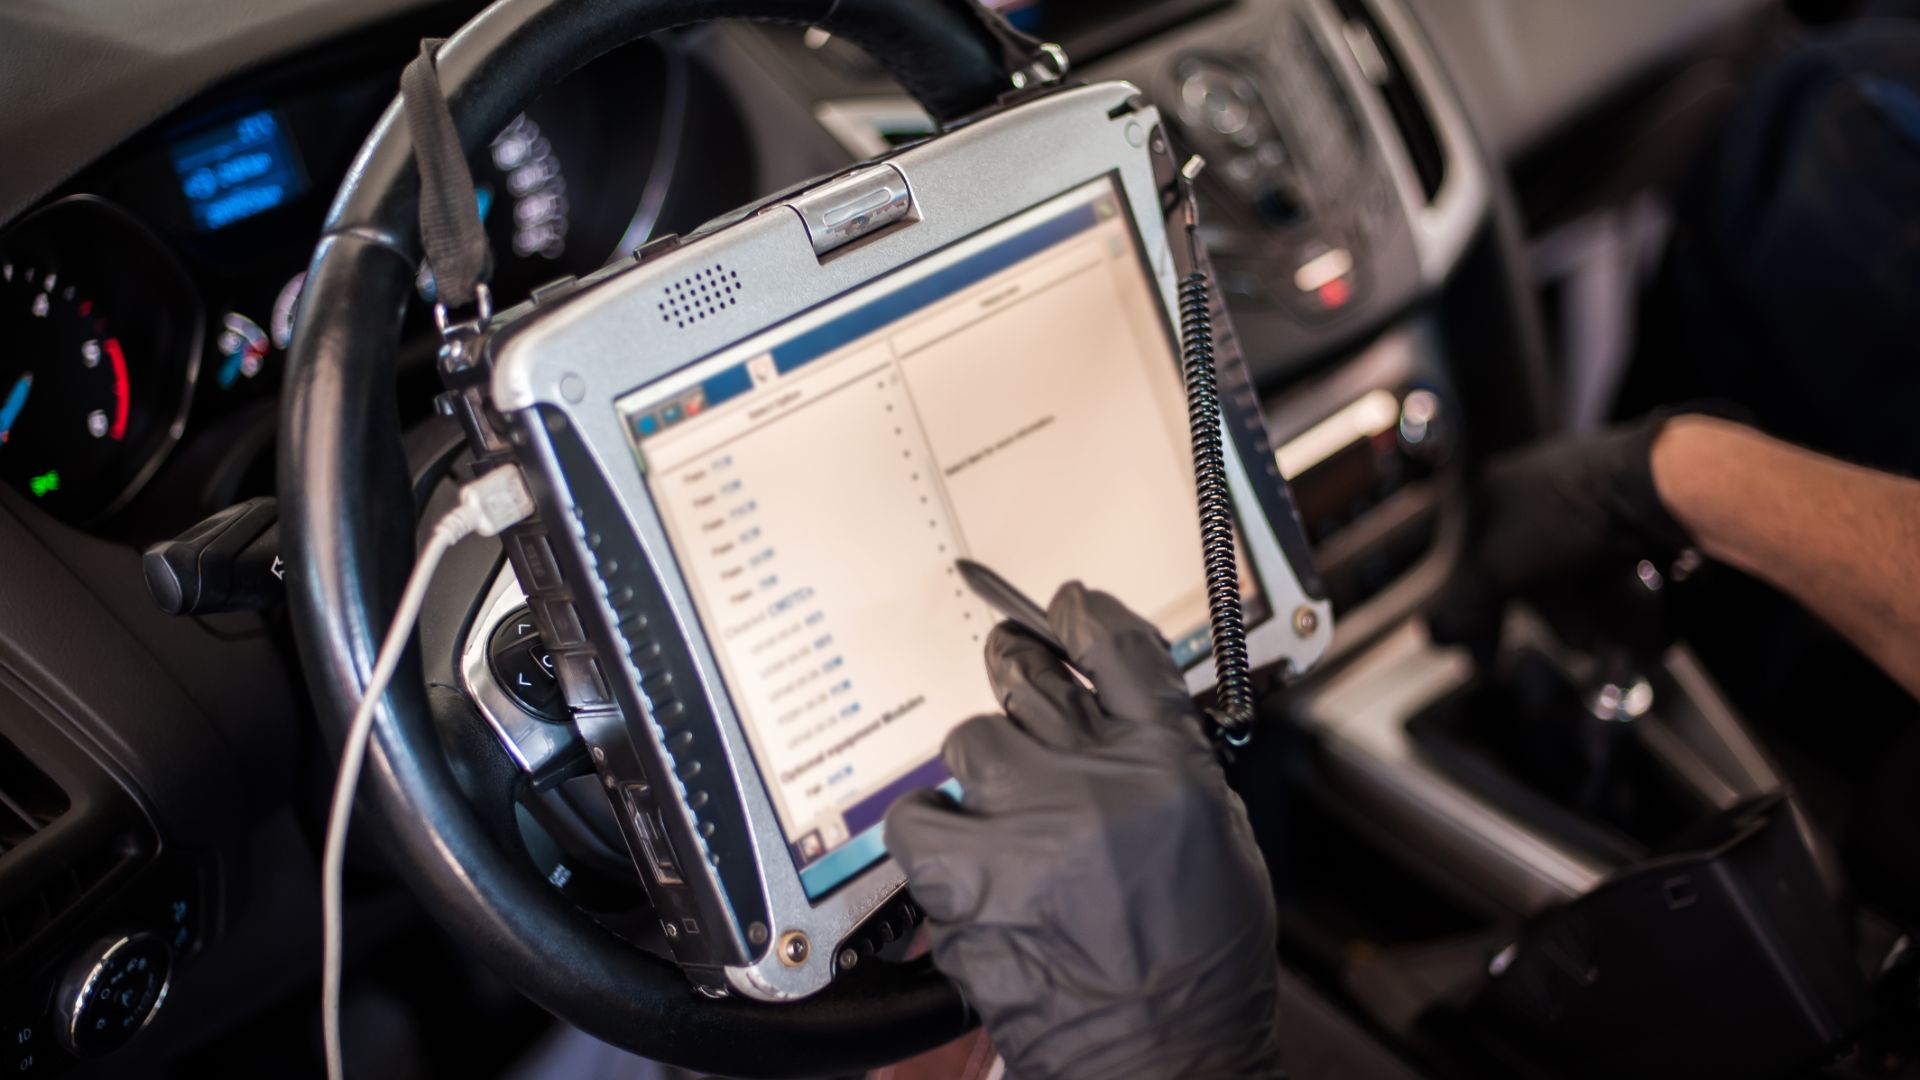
(700, 296)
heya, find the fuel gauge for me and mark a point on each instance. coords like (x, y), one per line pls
(243, 349)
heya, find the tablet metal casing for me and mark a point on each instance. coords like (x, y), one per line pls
(641, 677)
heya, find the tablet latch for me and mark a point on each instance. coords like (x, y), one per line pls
(854, 207)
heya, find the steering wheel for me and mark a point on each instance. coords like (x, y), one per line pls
(348, 521)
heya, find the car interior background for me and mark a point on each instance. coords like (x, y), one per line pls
(1444, 229)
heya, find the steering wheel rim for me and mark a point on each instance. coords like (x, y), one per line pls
(348, 519)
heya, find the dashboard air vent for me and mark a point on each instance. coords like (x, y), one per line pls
(698, 296)
(1383, 65)
(29, 799)
(54, 855)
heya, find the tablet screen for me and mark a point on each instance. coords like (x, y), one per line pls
(1013, 399)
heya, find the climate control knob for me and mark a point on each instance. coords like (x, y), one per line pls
(111, 993)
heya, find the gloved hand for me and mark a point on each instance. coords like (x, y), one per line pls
(1096, 893)
(1561, 523)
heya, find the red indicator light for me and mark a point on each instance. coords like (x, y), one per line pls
(1335, 293)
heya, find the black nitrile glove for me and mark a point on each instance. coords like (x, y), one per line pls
(1097, 893)
(1561, 523)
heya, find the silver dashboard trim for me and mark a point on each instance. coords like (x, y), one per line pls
(1359, 713)
(1444, 226)
(1360, 716)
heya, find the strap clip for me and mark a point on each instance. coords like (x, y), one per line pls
(460, 337)
(449, 326)
(1032, 62)
(1047, 66)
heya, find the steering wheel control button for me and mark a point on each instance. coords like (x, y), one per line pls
(112, 992)
(524, 668)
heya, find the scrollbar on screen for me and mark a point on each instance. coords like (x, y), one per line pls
(1013, 399)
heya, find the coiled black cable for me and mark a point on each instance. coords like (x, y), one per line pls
(1232, 714)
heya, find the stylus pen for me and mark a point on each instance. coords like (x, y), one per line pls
(1013, 605)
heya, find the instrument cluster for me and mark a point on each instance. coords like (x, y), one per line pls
(149, 306)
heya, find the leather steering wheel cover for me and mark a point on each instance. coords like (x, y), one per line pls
(349, 521)
(517, 49)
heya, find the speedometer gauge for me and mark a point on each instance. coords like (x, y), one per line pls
(93, 370)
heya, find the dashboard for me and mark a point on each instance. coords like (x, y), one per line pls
(151, 278)
(150, 298)
(149, 302)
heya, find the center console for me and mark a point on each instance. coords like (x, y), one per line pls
(1529, 784)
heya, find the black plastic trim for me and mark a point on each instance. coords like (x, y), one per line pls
(626, 614)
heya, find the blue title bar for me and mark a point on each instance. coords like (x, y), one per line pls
(873, 316)
(933, 288)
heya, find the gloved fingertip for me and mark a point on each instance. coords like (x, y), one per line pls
(1068, 600)
(983, 754)
(910, 815)
(1009, 647)
(1038, 691)
(927, 835)
(914, 824)
(1083, 617)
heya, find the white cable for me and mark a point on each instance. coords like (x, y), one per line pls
(492, 503)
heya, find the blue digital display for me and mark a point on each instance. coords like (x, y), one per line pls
(237, 169)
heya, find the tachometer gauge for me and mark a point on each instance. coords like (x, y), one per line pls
(93, 376)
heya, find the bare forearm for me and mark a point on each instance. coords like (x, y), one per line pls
(1842, 540)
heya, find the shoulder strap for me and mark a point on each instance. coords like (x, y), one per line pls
(451, 233)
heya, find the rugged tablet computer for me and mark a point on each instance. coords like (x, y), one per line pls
(759, 451)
